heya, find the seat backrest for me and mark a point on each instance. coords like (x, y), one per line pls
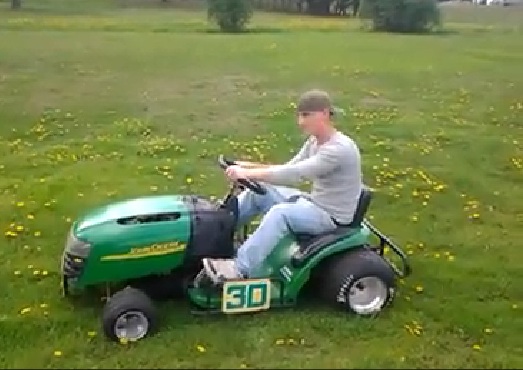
(362, 207)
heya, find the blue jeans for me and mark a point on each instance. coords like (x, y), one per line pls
(280, 215)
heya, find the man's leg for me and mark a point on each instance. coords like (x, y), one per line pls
(301, 216)
(251, 204)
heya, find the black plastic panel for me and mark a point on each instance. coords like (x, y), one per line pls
(212, 231)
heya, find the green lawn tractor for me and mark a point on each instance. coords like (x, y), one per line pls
(150, 248)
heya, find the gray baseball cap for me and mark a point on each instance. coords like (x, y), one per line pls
(316, 100)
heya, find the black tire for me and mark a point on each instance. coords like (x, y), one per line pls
(125, 302)
(342, 275)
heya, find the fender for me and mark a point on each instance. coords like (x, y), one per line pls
(300, 275)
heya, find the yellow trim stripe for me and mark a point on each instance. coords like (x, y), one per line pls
(127, 256)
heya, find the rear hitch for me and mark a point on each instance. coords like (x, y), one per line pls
(406, 269)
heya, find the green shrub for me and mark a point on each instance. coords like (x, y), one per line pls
(230, 15)
(411, 16)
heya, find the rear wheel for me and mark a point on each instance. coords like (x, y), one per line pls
(129, 315)
(359, 280)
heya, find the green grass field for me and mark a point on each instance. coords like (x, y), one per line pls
(102, 103)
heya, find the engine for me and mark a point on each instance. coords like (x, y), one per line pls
(143, 219)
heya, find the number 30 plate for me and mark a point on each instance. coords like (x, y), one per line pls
(246, 295)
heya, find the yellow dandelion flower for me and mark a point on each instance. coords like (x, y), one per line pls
(25, 310)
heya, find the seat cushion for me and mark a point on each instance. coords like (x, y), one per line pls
(312, 244)
(305, 239)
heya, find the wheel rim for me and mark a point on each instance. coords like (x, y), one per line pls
(131, 325)
(367, 295)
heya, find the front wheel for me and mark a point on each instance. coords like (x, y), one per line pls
(360, 280)
(129, 315)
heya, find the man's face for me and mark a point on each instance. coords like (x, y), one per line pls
(311, 122)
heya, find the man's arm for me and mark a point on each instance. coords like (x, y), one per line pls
(325, 161)
(301, 155)
(247, 164)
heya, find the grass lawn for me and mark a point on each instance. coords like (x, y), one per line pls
(104, 104)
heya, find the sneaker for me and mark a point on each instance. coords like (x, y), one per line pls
(219, 270)
(202, 279)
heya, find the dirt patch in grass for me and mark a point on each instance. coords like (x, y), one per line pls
(219, 101)
(371, 101)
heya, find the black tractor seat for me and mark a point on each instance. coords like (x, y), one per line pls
(310, 244)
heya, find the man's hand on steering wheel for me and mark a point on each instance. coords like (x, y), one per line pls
(238, 174)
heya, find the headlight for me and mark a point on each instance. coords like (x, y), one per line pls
(74, 257)
(77, 247)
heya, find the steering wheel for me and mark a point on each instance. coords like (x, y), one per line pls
(250, 184)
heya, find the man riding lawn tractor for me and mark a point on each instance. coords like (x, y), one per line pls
(147, 248)
(330, 159)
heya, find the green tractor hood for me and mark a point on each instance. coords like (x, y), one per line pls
(133, 237)
(124, 212)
